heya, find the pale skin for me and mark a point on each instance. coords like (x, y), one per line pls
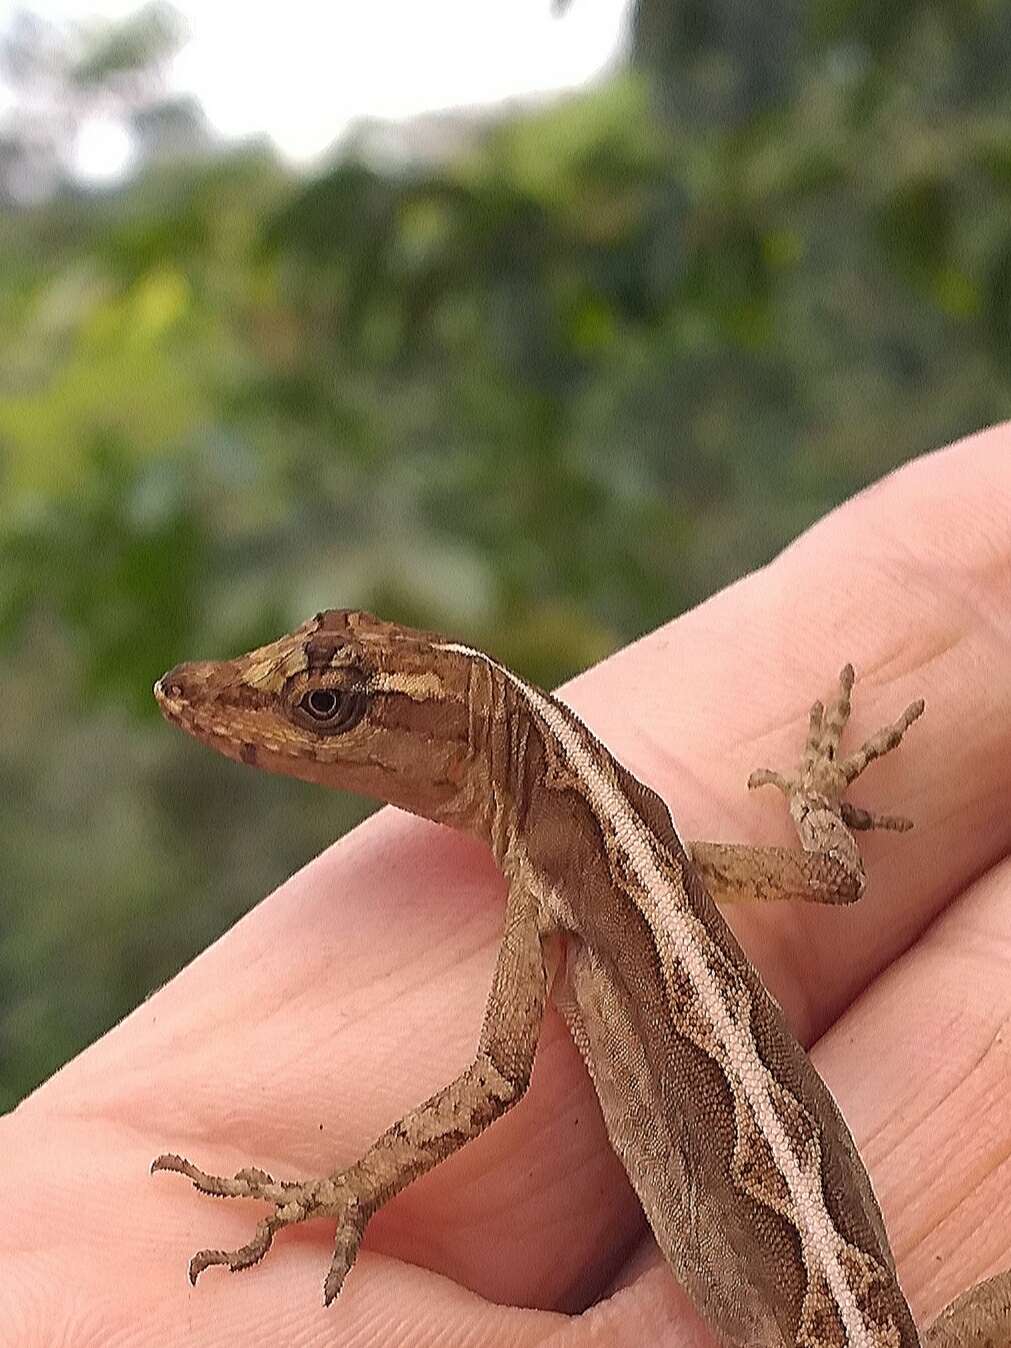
(496, 1217)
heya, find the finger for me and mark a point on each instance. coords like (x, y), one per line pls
(910, 582)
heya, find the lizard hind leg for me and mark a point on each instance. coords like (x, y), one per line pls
(979, 1318)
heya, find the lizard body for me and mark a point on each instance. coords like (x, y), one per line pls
(744, 1166)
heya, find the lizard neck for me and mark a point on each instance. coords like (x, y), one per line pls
(493, 801)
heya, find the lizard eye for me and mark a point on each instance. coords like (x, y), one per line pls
(333, 709)
(321, 703)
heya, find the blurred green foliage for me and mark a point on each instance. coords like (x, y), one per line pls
(543, 394)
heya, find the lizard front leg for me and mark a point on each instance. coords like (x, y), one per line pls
(492, 1084)
(829, 869)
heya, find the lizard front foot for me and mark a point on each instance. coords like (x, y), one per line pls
(815, 791)
(823, 774)
(337, 1196)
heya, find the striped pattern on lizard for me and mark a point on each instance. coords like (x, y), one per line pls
(744, 1166)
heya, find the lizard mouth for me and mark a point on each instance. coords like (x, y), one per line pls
(186, 697)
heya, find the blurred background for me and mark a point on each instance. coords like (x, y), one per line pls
(532, 324)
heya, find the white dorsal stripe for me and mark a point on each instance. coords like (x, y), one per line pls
(822, 1242)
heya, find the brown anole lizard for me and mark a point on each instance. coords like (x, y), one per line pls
(742, 1162)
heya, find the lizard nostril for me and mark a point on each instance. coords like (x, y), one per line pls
(170, 685)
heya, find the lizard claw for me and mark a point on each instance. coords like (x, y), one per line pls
(292, 1200)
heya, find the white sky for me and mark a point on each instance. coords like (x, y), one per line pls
(303, 70)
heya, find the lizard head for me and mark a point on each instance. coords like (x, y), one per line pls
(346, 700)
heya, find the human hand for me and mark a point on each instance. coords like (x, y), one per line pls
(357, 989)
